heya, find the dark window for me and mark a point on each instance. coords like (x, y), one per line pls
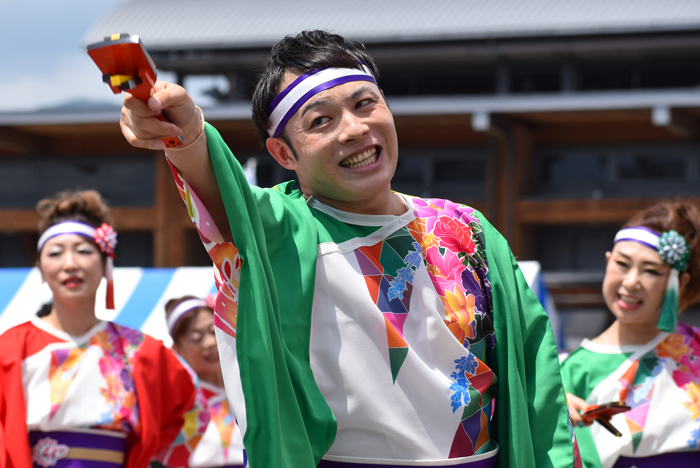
(135, 249)
(574, 248)
(457, 174)
(18, 250)
(599, 78)
(654, 170)
(195, 253)
(651, 167)
(437, 79)
(122, 181)
(536, 79)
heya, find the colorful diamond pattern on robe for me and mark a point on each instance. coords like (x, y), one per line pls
(637, 389)
(388, 268)
(474, 430)
(65, 364)
(223, 421)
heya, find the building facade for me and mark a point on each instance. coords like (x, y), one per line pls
(555, 119)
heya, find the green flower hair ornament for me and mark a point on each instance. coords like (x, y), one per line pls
(674, 250)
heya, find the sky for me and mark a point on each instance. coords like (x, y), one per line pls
(43, 58)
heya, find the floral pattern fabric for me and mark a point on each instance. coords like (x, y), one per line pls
(660, 381)
(116, 347)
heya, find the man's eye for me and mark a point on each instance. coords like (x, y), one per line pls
(196, 336)
(622, 264)
(653, 272)
(318, 121)
(363, 103)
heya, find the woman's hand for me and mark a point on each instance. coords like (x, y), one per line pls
(576, 406)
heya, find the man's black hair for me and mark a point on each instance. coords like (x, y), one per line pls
(306, 51)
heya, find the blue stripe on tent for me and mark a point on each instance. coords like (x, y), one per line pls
(10, 281)
(145, 297)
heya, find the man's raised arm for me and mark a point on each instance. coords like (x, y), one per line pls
(142, 129)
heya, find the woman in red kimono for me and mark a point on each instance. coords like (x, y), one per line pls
(76, 391)
(191, 325)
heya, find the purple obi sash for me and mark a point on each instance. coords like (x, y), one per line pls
(487, 460)
(77, 449)
(663, 460)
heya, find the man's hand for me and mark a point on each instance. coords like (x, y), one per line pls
(143, 130)
(576, 406)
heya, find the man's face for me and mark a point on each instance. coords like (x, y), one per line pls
(346, 144)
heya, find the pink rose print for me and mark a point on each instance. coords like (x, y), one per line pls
(454, 235)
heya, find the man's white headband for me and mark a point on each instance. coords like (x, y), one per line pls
(181, 309)
(288, 102)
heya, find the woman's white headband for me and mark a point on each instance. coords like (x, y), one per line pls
(641, 235)
(180, 310)
(288, 102)
(66, 227)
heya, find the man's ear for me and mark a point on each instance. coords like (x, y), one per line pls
(282, 153)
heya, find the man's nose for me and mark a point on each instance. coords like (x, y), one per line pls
(352, 127)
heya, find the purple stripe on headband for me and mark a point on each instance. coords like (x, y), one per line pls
(484, 463)
(322, 87)
(289, 88)
(81, 440)
(652, 247)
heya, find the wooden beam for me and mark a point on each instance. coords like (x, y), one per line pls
(133, 219)
(677, 121)
(18, 221)
(579, 211)
(19, 142)
(170, 217)
(519, 174)
(493, 151)
(125, 219)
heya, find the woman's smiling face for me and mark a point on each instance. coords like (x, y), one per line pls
(197, 345)
(635, 283)
(72, 266)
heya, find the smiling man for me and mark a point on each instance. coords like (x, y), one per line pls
(358, 326)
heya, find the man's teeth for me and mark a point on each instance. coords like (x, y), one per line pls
(360, 160)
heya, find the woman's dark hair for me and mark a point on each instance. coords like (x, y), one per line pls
(683, 217)
(45, 309)
(306, 51)
(85, 206)
(184, 323)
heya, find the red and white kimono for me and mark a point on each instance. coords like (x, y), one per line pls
(113, 397)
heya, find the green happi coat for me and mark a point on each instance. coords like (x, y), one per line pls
(299, 269)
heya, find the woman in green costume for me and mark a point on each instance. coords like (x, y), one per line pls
(645, 359)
